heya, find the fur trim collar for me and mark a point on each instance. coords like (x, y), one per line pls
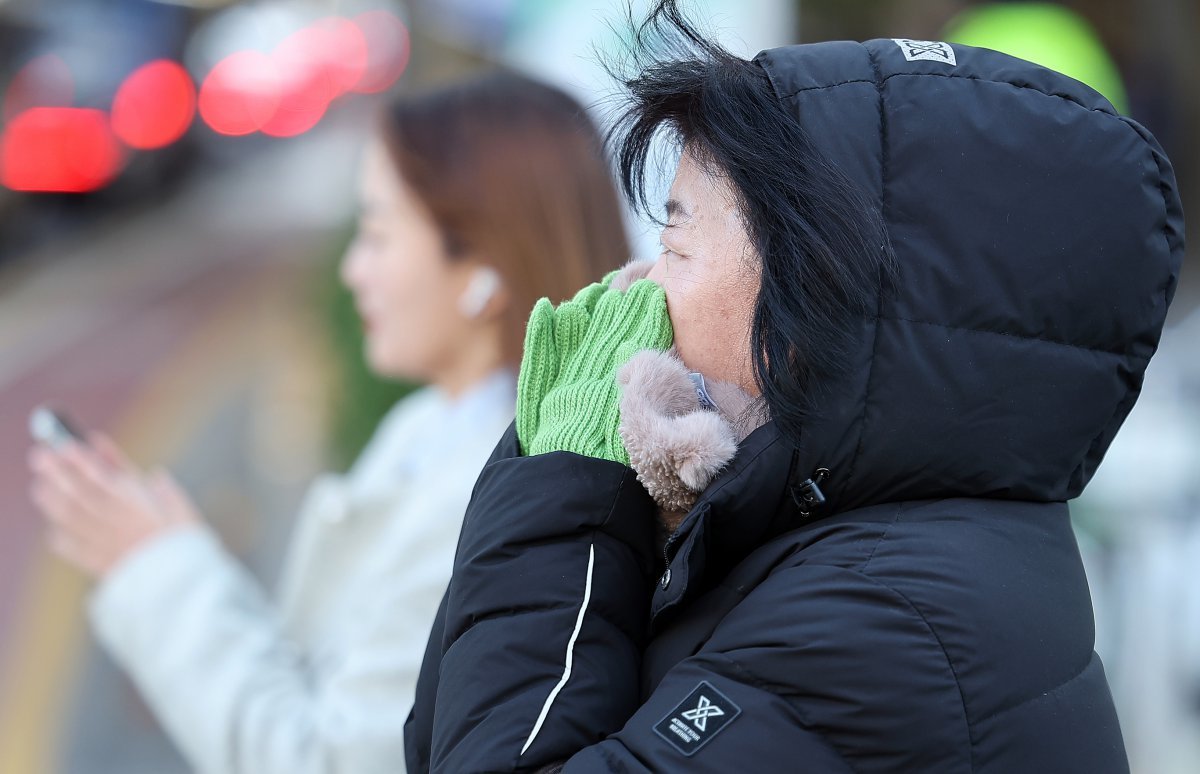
(675, 445)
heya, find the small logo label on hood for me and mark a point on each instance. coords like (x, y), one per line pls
(932, 50)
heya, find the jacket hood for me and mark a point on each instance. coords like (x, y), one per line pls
(1038, 236)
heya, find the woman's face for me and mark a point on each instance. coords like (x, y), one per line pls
(405, 289)
(711, 276)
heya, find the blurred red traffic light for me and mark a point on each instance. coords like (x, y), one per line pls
(306, 84)
(49, 146)
(240, 95)
(154, 106)
(59, 149)
(346, 53)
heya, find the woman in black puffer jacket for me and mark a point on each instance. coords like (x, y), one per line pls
(921, 283)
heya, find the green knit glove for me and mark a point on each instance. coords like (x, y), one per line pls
(567, 395)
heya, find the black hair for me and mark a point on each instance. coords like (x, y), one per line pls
(823, 246)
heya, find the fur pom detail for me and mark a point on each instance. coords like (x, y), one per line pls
(676, 446)
(631, 273)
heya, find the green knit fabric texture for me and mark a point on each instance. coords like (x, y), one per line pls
(567, 394)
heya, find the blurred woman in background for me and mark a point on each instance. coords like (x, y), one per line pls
(476, 200)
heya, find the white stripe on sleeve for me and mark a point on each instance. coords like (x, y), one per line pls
(566, 675)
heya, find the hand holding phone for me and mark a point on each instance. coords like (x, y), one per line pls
(98, 504)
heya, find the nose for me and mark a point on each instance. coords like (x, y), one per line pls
(659, 271)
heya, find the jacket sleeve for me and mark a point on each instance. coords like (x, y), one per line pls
(786, 682)
(207, 650)
(545, 614)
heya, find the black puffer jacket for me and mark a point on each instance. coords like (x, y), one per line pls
(933, 615)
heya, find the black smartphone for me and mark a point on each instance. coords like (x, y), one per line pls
(53, 428)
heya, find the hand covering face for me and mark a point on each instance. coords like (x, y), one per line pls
(567, 393)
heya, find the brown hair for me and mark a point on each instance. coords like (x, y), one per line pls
(515, 170)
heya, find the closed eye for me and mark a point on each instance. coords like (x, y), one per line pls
(667, 249)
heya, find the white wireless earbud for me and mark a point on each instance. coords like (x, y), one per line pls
(479, 291)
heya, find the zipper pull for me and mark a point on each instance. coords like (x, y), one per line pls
(808, 495)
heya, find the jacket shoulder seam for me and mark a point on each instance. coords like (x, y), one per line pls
(945, 654)
(882, 537)
(1041, 695)
(970, 745)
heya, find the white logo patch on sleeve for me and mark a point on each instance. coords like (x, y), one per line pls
(697, 719)
(931, 50)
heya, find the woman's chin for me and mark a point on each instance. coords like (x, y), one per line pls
(386, 365)
(378, 361)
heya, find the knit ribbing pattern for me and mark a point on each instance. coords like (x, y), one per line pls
(567, 394)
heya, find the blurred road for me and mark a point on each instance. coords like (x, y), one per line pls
(190, 332)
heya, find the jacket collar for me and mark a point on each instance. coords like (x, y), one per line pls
(721, 488)
(748, 503)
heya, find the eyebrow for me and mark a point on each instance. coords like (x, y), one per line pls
(675, 208)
